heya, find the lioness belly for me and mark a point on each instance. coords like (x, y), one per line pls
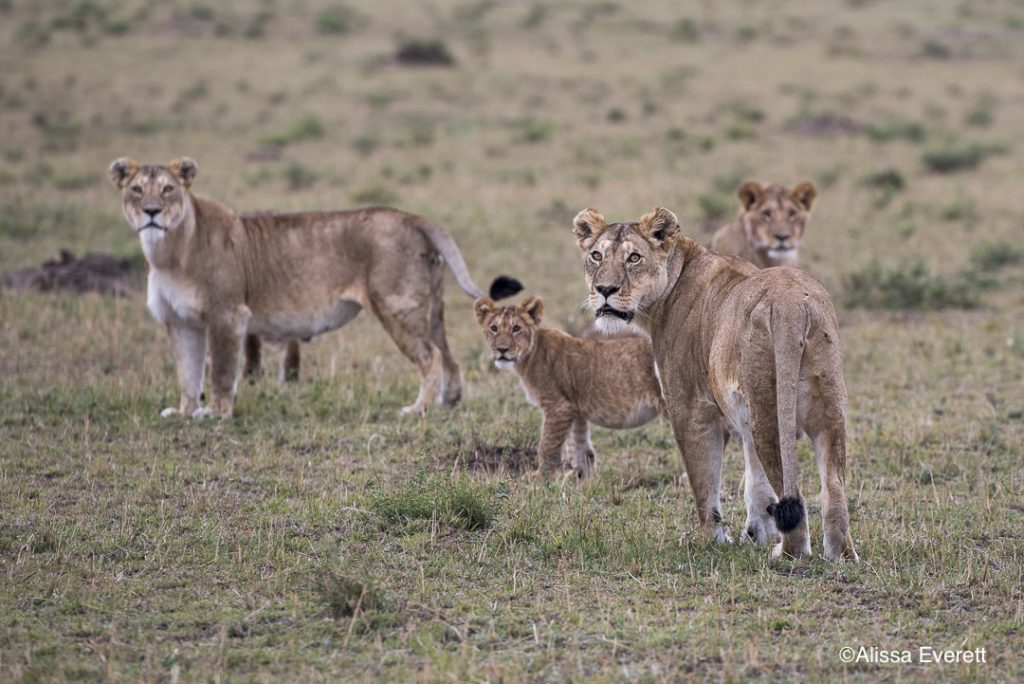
(292, 324)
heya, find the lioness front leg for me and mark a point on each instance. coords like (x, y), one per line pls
(189, 348)
(225, 340)
(557, 421)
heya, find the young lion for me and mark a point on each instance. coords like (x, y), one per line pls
(758, 350)
(574, 381)
(770, 226)
(214, 277)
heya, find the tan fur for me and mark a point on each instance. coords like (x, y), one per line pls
(575, 382)
(216, 276)
(759, 350)
(770, 225)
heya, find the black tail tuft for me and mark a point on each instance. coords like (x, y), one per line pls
(788, 513)
(504, 286)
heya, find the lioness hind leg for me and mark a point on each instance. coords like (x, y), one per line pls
(452, 375)
(410, 329)
(189, 347)
(830, 450)
(757, 495)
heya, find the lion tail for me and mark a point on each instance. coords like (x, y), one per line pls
(502, 286)
(789, 325)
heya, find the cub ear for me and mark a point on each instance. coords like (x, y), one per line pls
(659, 224)
(804, 194)
(185, 168)
(586, 225)
(483, 307)
(121, 170)
(750, 193)
(532, 307)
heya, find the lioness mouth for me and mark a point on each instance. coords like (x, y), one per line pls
(153, 226)
(615, 313)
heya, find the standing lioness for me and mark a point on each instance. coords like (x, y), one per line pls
(214, 277)
(770, 226)
(759, 348)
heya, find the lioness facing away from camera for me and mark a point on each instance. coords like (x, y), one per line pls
(214, 277)
(770, 226)
(756, 349)
(574, 381)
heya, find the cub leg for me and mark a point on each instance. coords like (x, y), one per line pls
(189, 347)
(583, 451)
(830, 449)
(290, 362)
(557, 422)
(225, 340)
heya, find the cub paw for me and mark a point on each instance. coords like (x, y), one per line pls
(169, 412)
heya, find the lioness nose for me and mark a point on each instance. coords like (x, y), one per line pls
(606, 290)
(502, 350)
(781, 238)
(152, 212)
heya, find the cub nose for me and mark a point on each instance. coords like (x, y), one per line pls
(606, 291)
(152, 212)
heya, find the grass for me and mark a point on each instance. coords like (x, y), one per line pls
(318, 535)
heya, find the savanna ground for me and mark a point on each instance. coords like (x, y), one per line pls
(319, 536)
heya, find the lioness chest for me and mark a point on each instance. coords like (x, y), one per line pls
(173, 301)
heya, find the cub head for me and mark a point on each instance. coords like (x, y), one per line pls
(510, 330)
(625, 264)
(154, 197)
(774, 218)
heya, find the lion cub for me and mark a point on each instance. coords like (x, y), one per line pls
(575, 382)
(770, 225)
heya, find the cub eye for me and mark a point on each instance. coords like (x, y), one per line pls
(792, 213)
(494, 328)
(167, 189)
(595, 255)
(137, 189)
(516, 328)
(633, 258)
(766, 214)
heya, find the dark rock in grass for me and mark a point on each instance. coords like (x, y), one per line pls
(424, 53)
(94, 272)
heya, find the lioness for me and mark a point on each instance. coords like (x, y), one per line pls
(215, 277)
(574, 381)
(770, 225)
(758, 348)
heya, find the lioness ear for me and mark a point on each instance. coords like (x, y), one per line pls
(750, 193)
(185, 168)
(121, 170)
(532, 307)
(804, 194)
(659, 224)
(482, 307)
(586, 225)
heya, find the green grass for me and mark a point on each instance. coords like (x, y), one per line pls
(318, 535)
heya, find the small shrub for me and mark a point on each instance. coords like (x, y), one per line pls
(951, 159)
(532, 131)
(910, 286)
(376, 195)
(714, 207)
(424, 53)
(889, 180)
(299, 177)
(307, 128)
(934, 49)
(685, 30)
(992, 256)
(459, 504)
(535, 17)
(336, 20)
(344, 595)
(910, 131)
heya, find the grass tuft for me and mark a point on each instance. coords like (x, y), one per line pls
(458, 503)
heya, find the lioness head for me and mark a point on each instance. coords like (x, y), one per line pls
(154, 197)
(774, 218)
(626, 264)
(510, 330)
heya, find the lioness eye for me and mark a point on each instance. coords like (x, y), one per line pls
(595, 255)
(137, 189)
(516, 328)
(168, 189)
(494, 328)
(766, 214)
(634, 258)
